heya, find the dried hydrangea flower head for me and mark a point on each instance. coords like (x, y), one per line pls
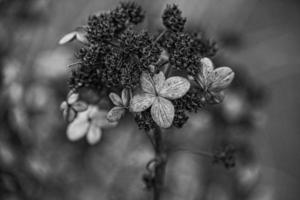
(149, 71)
(157, 78)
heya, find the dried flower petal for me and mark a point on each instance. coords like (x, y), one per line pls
(79, 127)
(69, 114)
(175, 87)
(63, 106)
(159, 80)
(80, 106)
(81, 37)
(141, 102)
(115, 114)
(117, 101)
(206, 70)
(147, 83)
(72, 98)
(69, 37)
(94, 134)
(125, 96)
(221, 78)
(162, 112)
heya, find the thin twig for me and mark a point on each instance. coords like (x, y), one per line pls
(201, 153)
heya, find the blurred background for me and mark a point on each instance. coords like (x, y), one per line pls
(259, 39)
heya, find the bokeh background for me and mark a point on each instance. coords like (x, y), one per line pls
(259, 39)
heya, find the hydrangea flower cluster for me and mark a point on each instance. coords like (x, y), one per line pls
(159, 78)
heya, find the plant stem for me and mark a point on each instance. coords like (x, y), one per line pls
(159, 171)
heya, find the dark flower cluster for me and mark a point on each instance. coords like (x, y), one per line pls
(115, 55)
(193, 101)
(172, 18)
(186, 50)
(145, 121)
(107, 26)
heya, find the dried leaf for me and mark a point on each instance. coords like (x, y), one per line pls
(79, 127)
(80, 106)
(147, 83)
(125, 96)
(175, 87)
(221, 78)
(141, 102)
(69, 37)
(115, 114)
(162, 112)
(159, 80)
(94, 135)
(117, 101)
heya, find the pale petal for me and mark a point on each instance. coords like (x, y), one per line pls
(78, 128)
(80, 106)
(175, 87)
(147, 83)
(220, 78)
(115, 114)
(206, 68)
(96, 114)
(141, 102)
(162, 112)
(69, 114)
(116, 99)
(159, 80)
(63, 106)
(125, 96)
(81, 37)
(69, 37)
(94, 134)
(72, 98)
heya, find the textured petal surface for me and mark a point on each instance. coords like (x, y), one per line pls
(69, 37)
(147, 83)
(125, 96)
(141, 102)
(159, 80)
(115, 114)
(94, 134)
(79, 127)
(206, 68)
(80, 106)
(162, 112)
(175, 87)
(116, 99)
(221, 78)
